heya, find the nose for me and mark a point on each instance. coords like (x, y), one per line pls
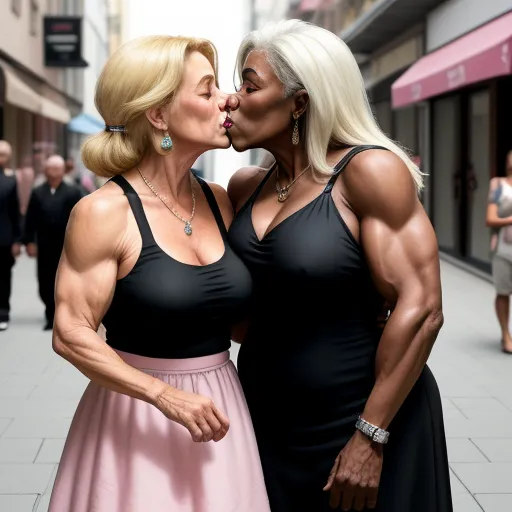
(229, 102)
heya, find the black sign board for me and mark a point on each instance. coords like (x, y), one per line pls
(63, 42)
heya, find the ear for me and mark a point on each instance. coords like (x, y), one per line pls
(156, 117)
(301, 101)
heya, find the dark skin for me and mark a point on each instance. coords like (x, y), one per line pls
(377, 198)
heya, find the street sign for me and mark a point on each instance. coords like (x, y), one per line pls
(63, 42)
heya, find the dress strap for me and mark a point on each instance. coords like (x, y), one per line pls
(137, 209)
(258, 189)
(214, 206)
(342, 164)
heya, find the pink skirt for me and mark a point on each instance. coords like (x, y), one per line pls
(124, 455)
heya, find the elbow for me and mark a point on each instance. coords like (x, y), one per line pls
(59, 344)
(434, 320)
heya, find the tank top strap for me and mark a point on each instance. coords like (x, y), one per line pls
(137, 209)
(214, 206)
(342, 164)
(258, 189)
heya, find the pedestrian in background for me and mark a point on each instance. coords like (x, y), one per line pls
(9, 231)
(48, 212)
(499, 217)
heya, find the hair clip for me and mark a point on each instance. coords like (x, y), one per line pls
(115, 128)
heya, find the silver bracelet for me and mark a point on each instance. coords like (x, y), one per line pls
(375, 433)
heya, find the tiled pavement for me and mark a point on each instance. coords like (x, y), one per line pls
(39, 392)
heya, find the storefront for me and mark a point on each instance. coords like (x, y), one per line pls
(463, 85)
(33, 118)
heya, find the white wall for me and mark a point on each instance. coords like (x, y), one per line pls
(94, 49)
(456, 17)
(225, 23)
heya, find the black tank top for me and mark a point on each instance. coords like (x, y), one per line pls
(167, 309)
(314, 312)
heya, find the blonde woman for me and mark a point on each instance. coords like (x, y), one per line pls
(329, 233)
(163, 426)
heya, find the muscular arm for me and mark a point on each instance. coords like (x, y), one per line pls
(401, 249)
(492, 219)
(84, 288)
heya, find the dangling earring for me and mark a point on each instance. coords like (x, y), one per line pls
(295, 135)
(166, 143)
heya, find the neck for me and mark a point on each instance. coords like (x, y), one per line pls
(291, 160)
(54, 182)
(169, 174)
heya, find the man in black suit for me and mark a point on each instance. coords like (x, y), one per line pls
(47, 216)
(9, 231)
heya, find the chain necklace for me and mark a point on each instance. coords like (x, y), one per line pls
(188, 223)
(283, 192)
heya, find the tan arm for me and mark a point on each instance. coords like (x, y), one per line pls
(492, 219)
(402, 252)
(85, 286)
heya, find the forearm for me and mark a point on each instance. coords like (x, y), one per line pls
(403, 350)
(498, 222)
(85, 349)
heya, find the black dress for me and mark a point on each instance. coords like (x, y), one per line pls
(307, 364)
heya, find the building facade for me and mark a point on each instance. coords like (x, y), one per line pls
(438, 75)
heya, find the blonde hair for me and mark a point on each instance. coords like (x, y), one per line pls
(304, 56)
(142, 74)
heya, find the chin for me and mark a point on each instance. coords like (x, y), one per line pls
(239, 146)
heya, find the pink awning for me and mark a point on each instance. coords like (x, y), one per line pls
(315, 5)
(482, 54)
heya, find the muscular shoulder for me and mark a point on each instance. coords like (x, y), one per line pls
(243, 183)
(98, 223)
(221, 196)
(379, 184)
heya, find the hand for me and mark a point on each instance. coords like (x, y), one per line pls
(196, 413)
(32, 250)
(355, 476)
(16, 250)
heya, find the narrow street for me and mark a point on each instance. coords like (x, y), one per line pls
(39, 392)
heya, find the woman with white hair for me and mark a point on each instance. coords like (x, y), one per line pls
(164, 425)
(329, 233)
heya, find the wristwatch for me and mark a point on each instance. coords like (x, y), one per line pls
(376, 434)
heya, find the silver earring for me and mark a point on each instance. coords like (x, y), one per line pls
(295, 135)
(166, 143)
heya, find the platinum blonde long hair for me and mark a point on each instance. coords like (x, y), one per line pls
(304, 56)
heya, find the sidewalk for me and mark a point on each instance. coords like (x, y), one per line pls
(39, 392)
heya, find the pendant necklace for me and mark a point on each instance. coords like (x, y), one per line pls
(188, 223)
(283, 192)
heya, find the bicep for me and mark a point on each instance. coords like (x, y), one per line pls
(403, 256)
(82, 296)
(87, 273)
